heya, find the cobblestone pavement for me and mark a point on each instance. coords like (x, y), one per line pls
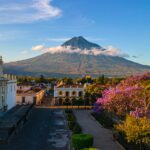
(37, 132)
(102, 137)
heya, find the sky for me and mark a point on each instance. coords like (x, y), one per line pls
(121, 24)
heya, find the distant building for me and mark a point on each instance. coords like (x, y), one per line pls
(30, 95)
(24, 87)
(68, 93)
(7, 89)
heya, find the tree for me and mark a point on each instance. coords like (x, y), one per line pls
(94, 91)
(101, 80)
(127, 96)
(67, 81)
(136, 129)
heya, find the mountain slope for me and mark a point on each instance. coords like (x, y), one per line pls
(75, 64)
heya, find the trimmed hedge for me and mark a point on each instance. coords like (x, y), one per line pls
(80, 141)
(72, 124)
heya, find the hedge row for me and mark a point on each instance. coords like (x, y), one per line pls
(72, 124)
(81, 141)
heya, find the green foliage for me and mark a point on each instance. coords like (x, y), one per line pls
(30, 79)
(78, 102)
(71, 117)
(76, 129)
(136, 129)
(67, 81)
(100, 80)
(71, 124)
(86, 79)
(94, 91)
(80, 141)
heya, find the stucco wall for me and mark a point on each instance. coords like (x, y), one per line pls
(29, 98)
(11, 94)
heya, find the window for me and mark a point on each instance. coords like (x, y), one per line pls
(60, 93)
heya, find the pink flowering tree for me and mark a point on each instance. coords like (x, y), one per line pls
(131, 96)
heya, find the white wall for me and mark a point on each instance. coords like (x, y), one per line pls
(70, 90)
(11, 94)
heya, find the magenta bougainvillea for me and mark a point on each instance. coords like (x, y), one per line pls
(131, 96)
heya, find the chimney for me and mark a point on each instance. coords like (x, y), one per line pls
(1, 66)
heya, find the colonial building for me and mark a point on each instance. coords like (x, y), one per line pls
(68, 93)
(32, 95)
(7, 89)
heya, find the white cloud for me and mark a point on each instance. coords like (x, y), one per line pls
(27, 11)
(39, 48)
(109, 51)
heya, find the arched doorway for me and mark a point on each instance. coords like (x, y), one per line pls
(67, 93)
(80, 94)
(60, 101)
(74, 93)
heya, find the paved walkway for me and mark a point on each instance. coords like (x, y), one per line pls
(102, 137)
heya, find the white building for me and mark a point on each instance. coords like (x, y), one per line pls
(7, 89)
(68, 93)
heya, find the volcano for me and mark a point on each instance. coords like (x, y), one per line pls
(80, 60)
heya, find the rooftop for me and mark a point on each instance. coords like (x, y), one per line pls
(70, 86)
(33, 90)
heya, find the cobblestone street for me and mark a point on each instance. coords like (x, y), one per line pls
(35, 134)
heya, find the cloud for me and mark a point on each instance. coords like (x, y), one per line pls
(109, 51)
(24, 52)
(27, 11)
(39, 48)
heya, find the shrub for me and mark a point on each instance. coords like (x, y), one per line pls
(71, 124)
(80, 141)
(78, 102)
(71, 117)
(76, 129)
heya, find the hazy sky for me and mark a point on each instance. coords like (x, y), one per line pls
(123, 24)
